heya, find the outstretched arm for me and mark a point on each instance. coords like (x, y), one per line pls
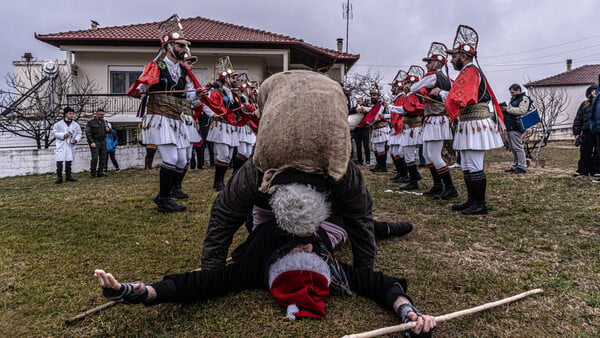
(128, 293)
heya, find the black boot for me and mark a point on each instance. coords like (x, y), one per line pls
(220, 171)
(176, 190)
(163, 201)
(237, 162)
(438, 187)
(401, 172)
(381, 166)
(449, 189)
(479, 206)
(392, 229)
(413, 184)
(465, 205)
(68, 172)
(59, 168)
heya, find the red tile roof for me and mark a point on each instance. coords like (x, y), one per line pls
(583, 75)
(200, 31)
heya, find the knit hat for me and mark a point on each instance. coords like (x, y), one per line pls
(300, 282)
(298, 208)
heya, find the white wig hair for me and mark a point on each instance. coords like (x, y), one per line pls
(298, 208)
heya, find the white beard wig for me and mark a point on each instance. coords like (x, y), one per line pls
(298, 208)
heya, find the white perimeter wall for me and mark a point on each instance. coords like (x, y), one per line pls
(18, 162)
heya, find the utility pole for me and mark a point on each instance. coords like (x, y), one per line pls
(347, 14)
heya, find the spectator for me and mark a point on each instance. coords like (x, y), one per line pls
(95, 132)
(112, 141)
(67, 133)
(203, 125)
(196, 146)
(519, 105)
(588, 152)
(360, 134)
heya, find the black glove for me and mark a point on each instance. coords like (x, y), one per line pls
(403, 311)
(126, 294)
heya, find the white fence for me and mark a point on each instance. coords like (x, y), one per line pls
(18, 162)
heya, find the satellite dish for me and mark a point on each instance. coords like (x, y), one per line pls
(50, 68)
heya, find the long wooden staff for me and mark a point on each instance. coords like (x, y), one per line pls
(408, 326)
(106, 305)
(169, 91)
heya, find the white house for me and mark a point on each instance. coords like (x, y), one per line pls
(574, 82)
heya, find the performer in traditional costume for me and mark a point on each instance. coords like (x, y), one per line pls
(479, 125)
(165, 111)
(226, 107)
(248, 122)
(380, 129)
(395, 138)
(412, 133)
(436, 126)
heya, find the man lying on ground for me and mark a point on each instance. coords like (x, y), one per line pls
(292, 256)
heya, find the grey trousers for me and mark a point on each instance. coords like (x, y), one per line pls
(515, 142)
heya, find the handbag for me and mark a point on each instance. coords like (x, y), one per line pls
(529, 119)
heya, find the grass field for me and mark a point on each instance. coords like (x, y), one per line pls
(543, 231)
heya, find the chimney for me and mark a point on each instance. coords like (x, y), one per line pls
(569, 64)
(27, 57)
(94, 24)
(340, 44)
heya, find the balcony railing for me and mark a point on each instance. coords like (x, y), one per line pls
(112, 104)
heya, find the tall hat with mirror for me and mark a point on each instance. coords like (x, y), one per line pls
(170, 30)
(465, 41)
(223, 68)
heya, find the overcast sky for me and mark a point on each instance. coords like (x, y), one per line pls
(518, 40)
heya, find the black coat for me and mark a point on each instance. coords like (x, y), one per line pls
(582, 118)
(350, 200)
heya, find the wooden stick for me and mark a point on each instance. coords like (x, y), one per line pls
(106, 305)
(169, 91)
(408, 326)
(82, 315)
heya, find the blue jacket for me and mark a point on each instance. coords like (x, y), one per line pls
(112, 140)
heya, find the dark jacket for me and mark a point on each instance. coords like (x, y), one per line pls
(349, 199)
(581, 123)
(518, 106)
(95, 131)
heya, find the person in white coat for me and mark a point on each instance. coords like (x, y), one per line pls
(67, 134)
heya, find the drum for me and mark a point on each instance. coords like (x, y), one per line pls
(354, 120)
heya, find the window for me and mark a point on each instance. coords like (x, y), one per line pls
(121, 78)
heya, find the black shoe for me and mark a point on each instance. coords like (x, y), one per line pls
(398, 229)
(435, 190)
(519, 171)
(58, 180)
(477, 208)
(411, 186)
(462, 206)
(100, 175)
(178, 194)
(509, 170)
(403, 179)
(165, 204)
(70, 179)
(218, 186)
(448, 193)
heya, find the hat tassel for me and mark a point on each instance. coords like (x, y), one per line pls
(292, 309)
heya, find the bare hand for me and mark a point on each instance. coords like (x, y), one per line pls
(107, 280)
(93, 145)
(201, 92)
(66, 135)
(135, 93)
(425, 323)
(435, 91)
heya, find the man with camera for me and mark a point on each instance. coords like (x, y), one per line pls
(518, 106)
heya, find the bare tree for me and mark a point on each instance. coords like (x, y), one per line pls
(550, 103)
(360, 84)
(36, 99)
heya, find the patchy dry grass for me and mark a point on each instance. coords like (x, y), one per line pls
(542, 231)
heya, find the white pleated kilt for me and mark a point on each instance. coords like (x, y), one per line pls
(395, 138)
(436, 128)
(412, 136)
(192, 133)
(380, 135)
(247, 135)
(161, 130)
(477, 135)
(221, 132)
